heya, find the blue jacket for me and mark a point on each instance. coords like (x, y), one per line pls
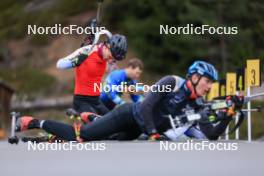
(117, 77)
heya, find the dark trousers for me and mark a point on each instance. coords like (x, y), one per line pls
(120, 120)
(89, 104)
(109, 104)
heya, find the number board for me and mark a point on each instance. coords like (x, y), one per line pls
(231, 84)
(240, 79)
(222, 87)
(253, 73)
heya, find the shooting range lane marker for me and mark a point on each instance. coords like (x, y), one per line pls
(230, 90)
(252, 80)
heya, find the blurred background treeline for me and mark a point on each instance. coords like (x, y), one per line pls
(27, 63)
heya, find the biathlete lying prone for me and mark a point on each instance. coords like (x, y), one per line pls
(148, 116)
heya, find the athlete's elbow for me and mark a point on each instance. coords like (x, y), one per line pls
(61, 64)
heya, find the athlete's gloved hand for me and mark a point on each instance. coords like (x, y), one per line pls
(206, 115)
(90, 37)
(238, 101)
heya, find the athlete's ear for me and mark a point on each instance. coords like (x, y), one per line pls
(107, 45)
(195, 78)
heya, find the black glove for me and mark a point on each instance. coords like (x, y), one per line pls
(206, 115)
(238, 101)
(90, 37)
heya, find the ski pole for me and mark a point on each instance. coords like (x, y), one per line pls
(13, 139)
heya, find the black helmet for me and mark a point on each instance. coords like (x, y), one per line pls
(118, 46)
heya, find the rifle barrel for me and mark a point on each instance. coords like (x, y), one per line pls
(251, 110)
(256, 95)
(99, 11)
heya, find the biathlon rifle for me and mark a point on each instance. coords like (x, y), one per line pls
(231, 105)
(89, 39)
